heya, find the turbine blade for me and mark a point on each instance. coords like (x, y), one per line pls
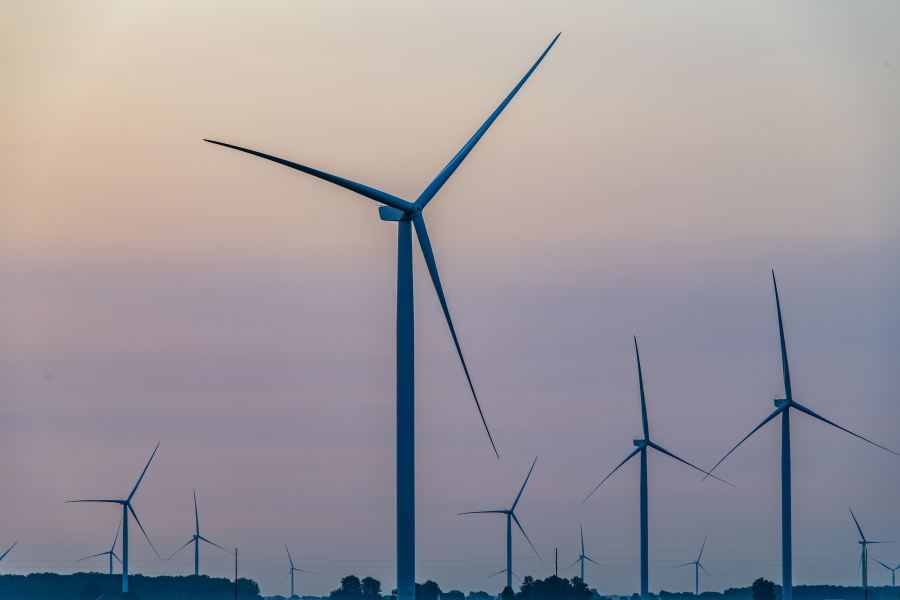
(196, 514)
(10, 548)
(112, 501)
(882, 564)
(177, 551)
(701, 549)
(803, 409)
(786, 372)
(707, 572)
(87, 557)
(684, 565)
(524, 484)
(428, 253)
(629, 457)
(285, 579)
(131, 495)
(289, 556)
(483, 512)
(362, 190)
(595, 562)
(116, 539)
(497, 573)
(117, 558)
(572, 565)
(666, 452)
(138, 521)
(755, 429)
(200, 537)
(513, 515)
(442, 177)
(643, 401)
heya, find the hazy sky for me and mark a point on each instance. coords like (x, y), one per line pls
(658, 164)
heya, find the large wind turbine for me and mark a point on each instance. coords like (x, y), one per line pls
(782, 407)
(292, 571)
(111, 552)
(642, 446)
(581, 557)
(126, 508)
(196, 539)
(10, 548)
(863, 557)
(893, 571)
(697, 564)
(510, 517)
(408, 215)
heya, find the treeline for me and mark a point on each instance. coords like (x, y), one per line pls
(801, 592)
(90, 586)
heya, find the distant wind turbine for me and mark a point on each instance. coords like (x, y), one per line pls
(10, 548)
(641, 449)
(292, 571)
(581, 557)
(126, 508)
(196, 539)
(409, 215)
(510, 517)
(697, 564)
(504, 571)
(893, 571)
(863, 542)
(783, 407)
(111, 552)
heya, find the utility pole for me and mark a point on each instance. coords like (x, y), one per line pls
(235, 574)
(556, 561)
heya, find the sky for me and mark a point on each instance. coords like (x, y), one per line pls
(661, 161)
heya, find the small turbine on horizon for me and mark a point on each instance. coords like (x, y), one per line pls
(863, 558)
(196, 539)
(510, 517)
(111, 552)
(642, 445)
(292, 571)
(893, 571)
(10, 548)
(782, 407)
(504, 571)
(581, 557)
(126, 508)
(697, 564)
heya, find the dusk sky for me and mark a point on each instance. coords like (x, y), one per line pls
(661, 161)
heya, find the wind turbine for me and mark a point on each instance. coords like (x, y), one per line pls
(581, 557)
(504, 571)
(408, 215)
(196, 539)
(111, 552)
(893, 571)
(863, 558)
(510, 517)
(292, 571)
(782, 407)
(697, 564)
(642, 446)
(10, 548)
(126, 507)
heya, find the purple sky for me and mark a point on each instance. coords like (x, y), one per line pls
(644, 182)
